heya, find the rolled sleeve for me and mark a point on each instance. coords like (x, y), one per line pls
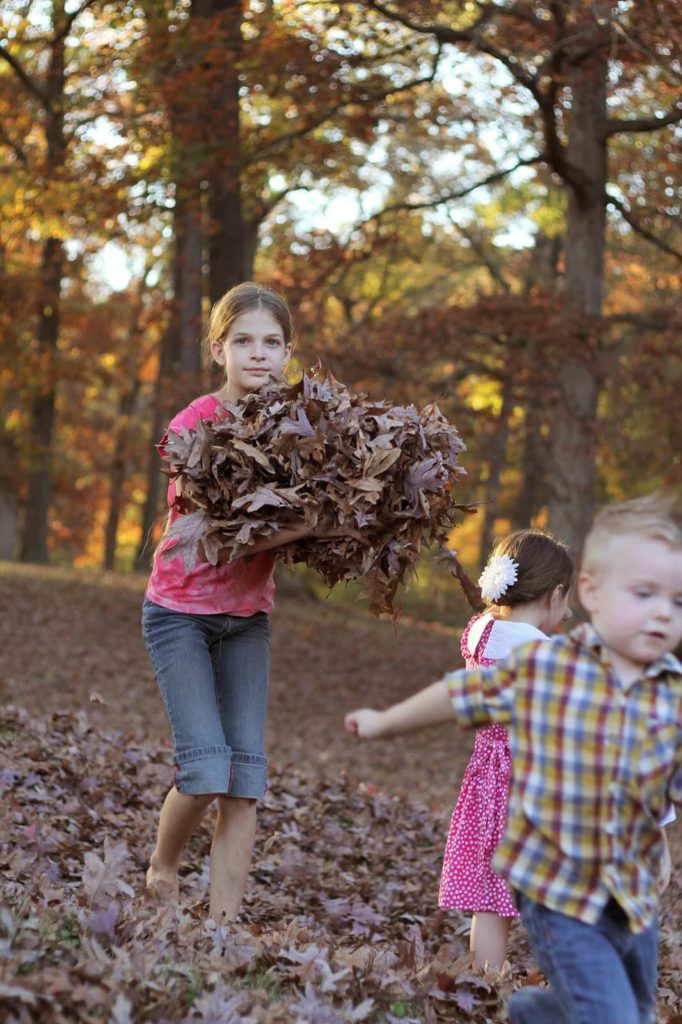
(481, 696)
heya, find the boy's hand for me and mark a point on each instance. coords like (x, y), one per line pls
(366, 723)
(665, 868)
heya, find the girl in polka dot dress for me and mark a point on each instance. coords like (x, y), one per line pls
(525, 586)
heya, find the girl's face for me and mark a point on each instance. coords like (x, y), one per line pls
(253, 352)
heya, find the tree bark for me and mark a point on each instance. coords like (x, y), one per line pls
(532, 496)
(572, 482)
(229, 260)
(119, 471)
(496, 461)
(179, 370)
(9, 503)
(34, 542)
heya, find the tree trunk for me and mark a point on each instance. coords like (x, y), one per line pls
(34, 544)
(152, 505)
(574, 420)
(535, 472)
(179, 371)
(543, 274)
(9, 504)
(118, 472)
(229, 260)
(497, 458)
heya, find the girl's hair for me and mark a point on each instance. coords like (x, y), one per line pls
(242, 299)
(543, 564)
(657, 516)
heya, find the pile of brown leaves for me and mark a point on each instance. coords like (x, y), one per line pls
(338, 924)
(314, 454)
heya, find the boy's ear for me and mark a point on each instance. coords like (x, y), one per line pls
(587, 591)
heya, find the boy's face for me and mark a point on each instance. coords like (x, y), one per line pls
(635, 601)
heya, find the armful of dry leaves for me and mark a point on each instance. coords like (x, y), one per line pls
(316, 454)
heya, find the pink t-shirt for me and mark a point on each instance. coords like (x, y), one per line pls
(242, 587)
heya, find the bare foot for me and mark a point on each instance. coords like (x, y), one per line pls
(163, 886)
(222, 916)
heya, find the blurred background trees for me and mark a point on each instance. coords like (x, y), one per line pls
(464, 201)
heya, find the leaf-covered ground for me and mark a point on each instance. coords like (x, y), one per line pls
(339, 922)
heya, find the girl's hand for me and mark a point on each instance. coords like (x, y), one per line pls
(366, 723)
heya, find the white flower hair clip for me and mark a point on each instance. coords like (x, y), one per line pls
(499, 575)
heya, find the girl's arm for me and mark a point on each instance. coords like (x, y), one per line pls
(280, 538)
(427, 707)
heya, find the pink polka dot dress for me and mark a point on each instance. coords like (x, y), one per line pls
(467, 881)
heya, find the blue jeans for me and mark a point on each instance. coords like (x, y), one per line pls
(600, 973)
(213, 672)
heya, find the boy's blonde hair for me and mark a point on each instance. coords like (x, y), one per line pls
(657, 516)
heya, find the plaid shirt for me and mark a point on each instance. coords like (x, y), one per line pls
(595, 768)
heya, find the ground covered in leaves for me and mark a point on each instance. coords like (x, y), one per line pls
(339, 922)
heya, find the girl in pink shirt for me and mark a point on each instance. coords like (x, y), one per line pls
(207, 633)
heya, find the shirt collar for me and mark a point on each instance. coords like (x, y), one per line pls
(585, 635)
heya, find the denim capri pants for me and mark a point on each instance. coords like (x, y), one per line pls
(212, 672)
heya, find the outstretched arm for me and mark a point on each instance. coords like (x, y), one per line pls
(427, 707)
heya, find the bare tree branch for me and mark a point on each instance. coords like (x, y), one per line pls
(545, 99)
(16, 147)
(615, 125)
(660, 321)
(69, 20)
(447, 197)
(347, 101)
(630, 219)
(28, 81)
(477, 245)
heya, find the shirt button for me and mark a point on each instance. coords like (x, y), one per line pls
(611, 828)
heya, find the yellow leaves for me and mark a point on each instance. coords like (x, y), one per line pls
(42, 210)
(152, 158)
(550, 219)
(483, 394)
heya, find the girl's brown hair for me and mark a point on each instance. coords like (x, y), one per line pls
(543, 564)
(242, 299)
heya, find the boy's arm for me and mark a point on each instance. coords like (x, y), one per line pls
(471, 697)
(482, 696)
(427, 707)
